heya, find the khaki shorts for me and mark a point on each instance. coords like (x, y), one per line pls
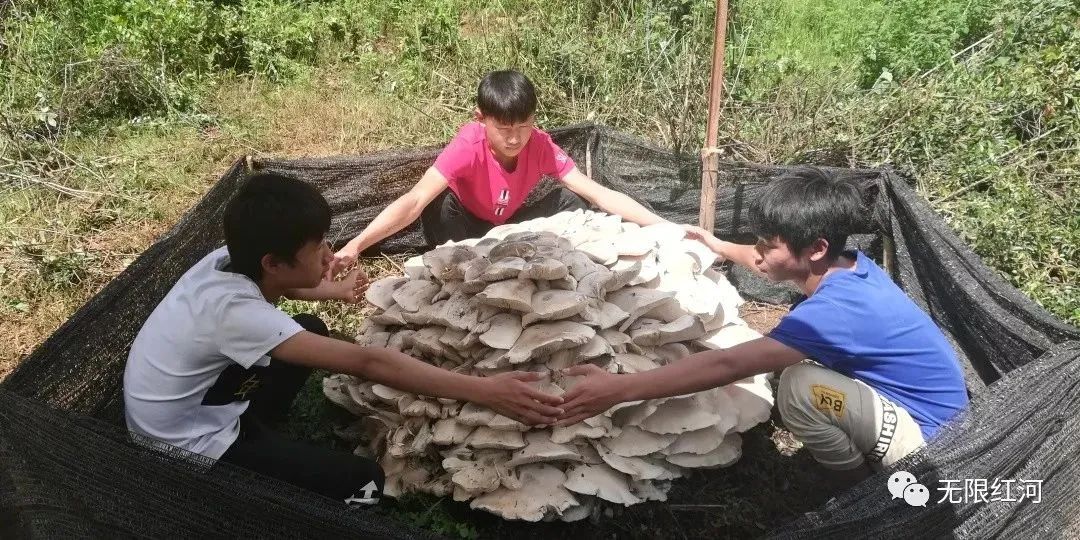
(843, 422)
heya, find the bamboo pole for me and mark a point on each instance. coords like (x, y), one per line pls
(707, 215)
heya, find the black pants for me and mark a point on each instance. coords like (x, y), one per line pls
(445, 218)
(339, 475)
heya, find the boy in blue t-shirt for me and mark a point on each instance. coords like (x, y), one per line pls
(883, 380)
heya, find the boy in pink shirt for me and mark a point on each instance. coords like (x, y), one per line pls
(482, 178)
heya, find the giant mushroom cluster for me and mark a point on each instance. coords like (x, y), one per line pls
(544, 295)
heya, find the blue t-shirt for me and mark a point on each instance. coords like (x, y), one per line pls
(860, 324)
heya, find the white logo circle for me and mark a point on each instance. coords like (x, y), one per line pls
(898, 481)
(916, 495)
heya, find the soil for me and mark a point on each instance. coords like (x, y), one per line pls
(761, 316)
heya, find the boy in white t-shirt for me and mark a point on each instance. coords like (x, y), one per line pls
(216, 362)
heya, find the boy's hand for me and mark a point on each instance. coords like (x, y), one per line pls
(343, 259)
(509, 394)
(596, 393)
(353, 286)
(694, 232)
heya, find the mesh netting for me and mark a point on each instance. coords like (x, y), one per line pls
(67, 468)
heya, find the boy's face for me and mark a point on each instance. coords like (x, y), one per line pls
(778, 262)
(312, 261)
(507, 139)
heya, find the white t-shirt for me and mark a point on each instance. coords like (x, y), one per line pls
(187, 378)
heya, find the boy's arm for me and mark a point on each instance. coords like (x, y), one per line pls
(507, 393)
(349, 289)
(600, 390)
(740, 254)
(398, 215)
(609, 200)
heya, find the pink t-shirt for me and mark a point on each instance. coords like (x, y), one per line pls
(484, 188)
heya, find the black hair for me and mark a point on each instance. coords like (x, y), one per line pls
(508, 96)
(805, 204)
(272, 214)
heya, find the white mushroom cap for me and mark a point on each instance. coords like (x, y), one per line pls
(672, 352)
(633, 363)
(753, 401)
(393, 316)
(674, 259)
(510, 294)
(637, 301)
(701, 441)
(540, 448)
(479, 475)
(545, 338)
(445, 262)
(563, 359)
(392, 396)
(495, 359)
(581, 430)
(506, 268)
(649, 271)
(595, 348)
(422, 407)
(507, 424)
(604, 316)
(336, 389)
(541, 492)
(684, 328)
(703, 256)
(602, 481)
(474, 415)
(397, 341)
(728, 336)
(579, 265)
(486, 437)
(727, 453)
(472, 269)
(512, 248)
(677, 416)
(503, 331)
(633, 415)
(381, 292)
(640, 468)
(634, 442)
(600, 251)
(583, 510)
(663, 233)
(554, 304)
(615, 338)
(415, 293)
(415, 268)
(648, 490)
(631, 243)
(546, 268)
(461, 312)
(448, 431)
(701, 297)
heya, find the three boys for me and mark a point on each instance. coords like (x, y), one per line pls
(216, 364)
